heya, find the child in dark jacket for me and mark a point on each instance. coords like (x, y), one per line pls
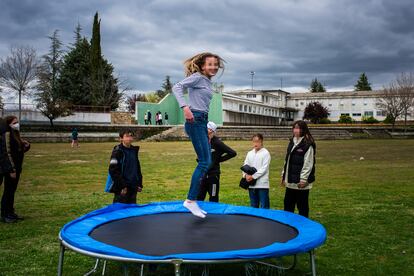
(220, 152)
(125, 169)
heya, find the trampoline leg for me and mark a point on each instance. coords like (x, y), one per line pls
(142, 270)
(61, 256)
(104, 268)
(177, 267)
(93, 270)
(125, 266)
(206, 271)
(312, 261)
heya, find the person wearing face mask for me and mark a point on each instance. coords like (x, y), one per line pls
(15, 147)
(299, 170)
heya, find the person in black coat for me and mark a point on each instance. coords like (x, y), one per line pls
(220, 152)
(125, 169)
(11, 168)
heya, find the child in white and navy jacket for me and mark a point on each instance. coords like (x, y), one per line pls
(259, 158)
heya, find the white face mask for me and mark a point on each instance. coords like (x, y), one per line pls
(15, 126)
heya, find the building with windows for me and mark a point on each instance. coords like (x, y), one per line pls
(272, 107)
(356, 104)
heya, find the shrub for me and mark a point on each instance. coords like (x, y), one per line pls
(369, 120)
(389, 120)
(324, 121)
(345, 119)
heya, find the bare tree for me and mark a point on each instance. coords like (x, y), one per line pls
(405, 86)
(389, 102)
(18, 71)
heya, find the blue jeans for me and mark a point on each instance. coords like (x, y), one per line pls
(197, 131)
(259, 197)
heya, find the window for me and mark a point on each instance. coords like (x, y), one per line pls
(254, 109)
(368, 113)
(345, 114)
(250, 108)
(381, 113)
(240, 107)
(251, 95)
(301, 103)
(353, 104)
(245, 108)
(329, 104)
(356, 114)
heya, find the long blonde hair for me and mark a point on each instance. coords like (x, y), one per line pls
(194, 64)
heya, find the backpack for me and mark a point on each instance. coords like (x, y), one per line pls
(109, 181)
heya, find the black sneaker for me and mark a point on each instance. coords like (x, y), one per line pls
(8, 219)
(15, 216)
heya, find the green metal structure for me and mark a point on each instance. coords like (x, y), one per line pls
(175, 115)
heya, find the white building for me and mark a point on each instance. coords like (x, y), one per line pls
(275, 107)
(255, 107)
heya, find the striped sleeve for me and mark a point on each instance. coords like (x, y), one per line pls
(8, 148)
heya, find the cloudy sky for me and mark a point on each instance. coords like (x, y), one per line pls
(295, 41)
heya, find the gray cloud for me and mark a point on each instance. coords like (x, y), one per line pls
(334, 41)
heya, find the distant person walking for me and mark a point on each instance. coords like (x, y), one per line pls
(166, 118)
(146, 118)
(159, 118)
(75, 140)
(149, 117)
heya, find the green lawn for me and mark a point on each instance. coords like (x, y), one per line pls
(367, 206)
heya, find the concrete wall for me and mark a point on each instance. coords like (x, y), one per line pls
(77, 117)
(175, 115)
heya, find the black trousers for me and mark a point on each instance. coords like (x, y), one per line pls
(129, 198)
(10, 187)
(299, 198)
(211, 185)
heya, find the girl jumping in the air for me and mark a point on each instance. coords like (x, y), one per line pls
(199, 70)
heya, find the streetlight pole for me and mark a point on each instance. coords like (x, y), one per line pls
(252, 74)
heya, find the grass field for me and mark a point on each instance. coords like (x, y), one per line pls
(367, 206)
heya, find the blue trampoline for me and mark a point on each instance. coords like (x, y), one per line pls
(166, 232)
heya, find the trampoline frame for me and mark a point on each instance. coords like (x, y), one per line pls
(175, 262)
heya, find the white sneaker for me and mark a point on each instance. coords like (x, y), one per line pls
(192, 206)
(202, 211)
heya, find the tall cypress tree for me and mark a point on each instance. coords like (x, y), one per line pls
(104, 86)
(362, 83)
(96, 57)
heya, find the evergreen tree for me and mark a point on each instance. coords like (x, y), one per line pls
(49, 98)
(362, 83)
(96, 58)
(75, 76)
(316, 86)
(104, 86)
(87, 78)
(167, 86)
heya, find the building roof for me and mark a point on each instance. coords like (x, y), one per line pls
(339, 94)
(250, 91)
